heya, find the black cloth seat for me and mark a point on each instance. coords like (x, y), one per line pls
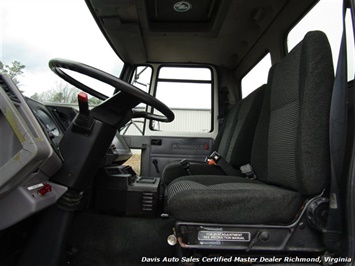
(231, 199)
(290, 153)
(233, 142)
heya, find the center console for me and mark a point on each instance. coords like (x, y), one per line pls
(119, 191)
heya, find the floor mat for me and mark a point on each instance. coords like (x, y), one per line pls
(107, 240)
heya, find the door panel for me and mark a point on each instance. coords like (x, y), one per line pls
(157, 151)
(165, 149)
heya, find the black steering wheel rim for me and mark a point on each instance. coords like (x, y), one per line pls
(56, 64)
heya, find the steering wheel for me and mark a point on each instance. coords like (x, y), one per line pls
(135, 95)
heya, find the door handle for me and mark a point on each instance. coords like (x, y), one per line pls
(157, 142)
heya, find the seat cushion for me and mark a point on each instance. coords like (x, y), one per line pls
(231, 199)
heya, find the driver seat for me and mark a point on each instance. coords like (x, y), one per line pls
(290, 153)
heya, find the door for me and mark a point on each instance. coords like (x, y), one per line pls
(190, 91)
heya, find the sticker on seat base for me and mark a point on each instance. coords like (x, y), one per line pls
(223, 236)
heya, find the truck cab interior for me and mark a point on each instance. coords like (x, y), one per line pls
(241, 118)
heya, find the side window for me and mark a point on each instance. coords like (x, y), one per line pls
(257, 76)
(326, 16)
(188, 92)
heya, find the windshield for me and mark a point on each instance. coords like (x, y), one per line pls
(35, 31)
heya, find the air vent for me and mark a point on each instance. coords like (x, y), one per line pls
(8, 91)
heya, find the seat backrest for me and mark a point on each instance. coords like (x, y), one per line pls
(235, 139)
(291, 144)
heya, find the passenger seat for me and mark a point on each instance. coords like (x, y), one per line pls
(233, 142)
(290, 153)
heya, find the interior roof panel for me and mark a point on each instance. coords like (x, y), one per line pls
(215, 32)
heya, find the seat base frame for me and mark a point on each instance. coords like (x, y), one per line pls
(299, 236)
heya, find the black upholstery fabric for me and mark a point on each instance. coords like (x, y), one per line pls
(294, 119)
(317, 78)
(226, 132)
(231, 199)
(290, 153)
(242, 140)
(234, 141)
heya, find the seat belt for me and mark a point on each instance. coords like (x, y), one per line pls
(248, 171)
(332, 233)
(186, 165)
(216, 159)
(222, 105)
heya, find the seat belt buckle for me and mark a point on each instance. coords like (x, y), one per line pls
(185, 164)
(215, 157)
(248, 170)
(210, 161)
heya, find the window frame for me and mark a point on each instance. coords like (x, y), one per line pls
(128, 72)
(211, 82)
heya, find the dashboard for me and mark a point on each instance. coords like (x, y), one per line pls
(30, 137)
(54, 120)
(27, 159)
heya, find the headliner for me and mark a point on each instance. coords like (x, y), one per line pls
(214, 32)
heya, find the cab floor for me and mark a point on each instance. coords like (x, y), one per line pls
(98, 239)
